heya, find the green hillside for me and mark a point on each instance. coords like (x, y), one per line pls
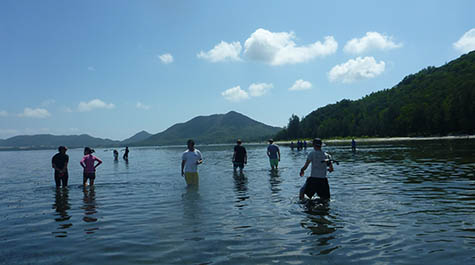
(436, 101)
(218, 128)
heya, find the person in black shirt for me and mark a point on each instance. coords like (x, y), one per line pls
(126, 153)
(60, 165)
(239, 156)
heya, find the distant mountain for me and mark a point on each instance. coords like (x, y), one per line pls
(140, 136)
(43, 141)
(217, 128)
(434, 101)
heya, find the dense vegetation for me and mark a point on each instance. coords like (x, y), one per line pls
(218, 128)
(433, 102)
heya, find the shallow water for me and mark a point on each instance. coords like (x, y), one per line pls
(392, 203)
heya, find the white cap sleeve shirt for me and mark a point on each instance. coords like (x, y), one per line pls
(319, 168)
(191, 158)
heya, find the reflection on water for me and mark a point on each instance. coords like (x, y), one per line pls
(89, 207)
(398, 202)
(61, 206)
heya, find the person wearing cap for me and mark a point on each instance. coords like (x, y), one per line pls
(190, 160)
(273, 153)
(239, 156)
(317, 182)
(89, 166)
(60, 164)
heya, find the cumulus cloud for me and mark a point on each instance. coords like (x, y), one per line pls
(301, 85)
(356, 69)
(279, 48)
(94, 104)
(259, 89)
(466, 43)
(222, 52)
(235, 94)
(166, 58)
(140, 105)
(35, 113)
(3, 113)
(371, 41)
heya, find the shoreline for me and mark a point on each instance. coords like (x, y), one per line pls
(385, 139)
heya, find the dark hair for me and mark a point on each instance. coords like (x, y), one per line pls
(190, 142)
(317, 142)
(88, 150)
(238, 141)
(62, 148)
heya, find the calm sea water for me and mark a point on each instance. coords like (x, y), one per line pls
(392, 203)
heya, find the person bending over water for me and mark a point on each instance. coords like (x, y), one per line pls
(190, 160)
(89, 166)
(273, 153)
(317, 182)
(126, 153)
(116, 155)
(239, 156)
(60, 165)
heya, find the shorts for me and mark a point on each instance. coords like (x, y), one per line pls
(238, 165)
(191, 178)
(91, 175)
(274, 162)
(61, 178)
(316, 185)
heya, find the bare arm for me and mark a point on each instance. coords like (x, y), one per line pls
(234, 156)
(182, 167)
(302, 170)
(98, 162)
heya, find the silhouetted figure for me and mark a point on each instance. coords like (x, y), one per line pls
(299, 145)
(126, 153)
(305, 144)
(89, 166)
(353, 145)
(60, 164)
(292, 145)
(239, 156)
(116, 155)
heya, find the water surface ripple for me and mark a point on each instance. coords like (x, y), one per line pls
(392, 203)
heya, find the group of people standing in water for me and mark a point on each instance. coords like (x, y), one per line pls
(316, 183)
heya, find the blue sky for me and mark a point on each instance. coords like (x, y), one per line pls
(113, 68)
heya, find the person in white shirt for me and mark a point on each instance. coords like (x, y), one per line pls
(317, 182)
(190, 160)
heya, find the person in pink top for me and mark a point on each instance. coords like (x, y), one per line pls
(88, 163)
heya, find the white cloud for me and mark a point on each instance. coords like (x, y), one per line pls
(91, 68)
(67, 109)
(94, 104)
(371, 41)
(356, 69)
(466, 43)
(140, 105)
(35, 113)
(166, 58)
(235, 94)
(260, 89)
(222, 52)
(3, 113)
(301, 85)
(278, 48)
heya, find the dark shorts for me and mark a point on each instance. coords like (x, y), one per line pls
(317, 185)
(238, 165)
(61, 178)
(89, 175)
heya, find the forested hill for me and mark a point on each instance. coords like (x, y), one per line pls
(214, 129)
(435, 101)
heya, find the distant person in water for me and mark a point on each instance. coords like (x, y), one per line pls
(305, 144)
(89, 165)
(353, 145)
(116, 155)
(190, 160)
(317, 182)
(273, 152)
(126, 153)
(239, 156)
(60, 164)
(292, 145)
